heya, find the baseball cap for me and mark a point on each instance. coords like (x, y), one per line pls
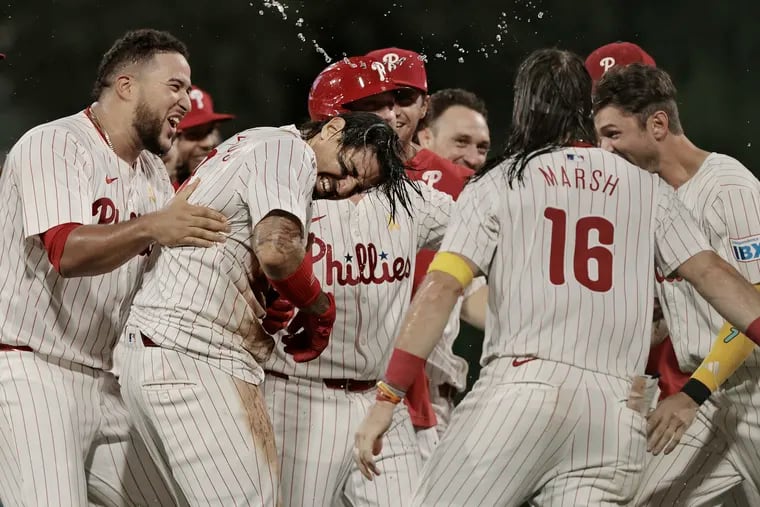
(201, 111)
(405, 67)
(617, 53)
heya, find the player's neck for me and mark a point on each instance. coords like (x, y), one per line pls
(680, 160)
(110, 120)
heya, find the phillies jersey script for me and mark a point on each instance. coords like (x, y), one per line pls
(365, 259)
(64, 172)
(208, 302)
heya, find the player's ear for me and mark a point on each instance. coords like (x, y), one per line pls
(124, 86)
(425, 106)
(425, 137)
(332, 127)
(659, 123)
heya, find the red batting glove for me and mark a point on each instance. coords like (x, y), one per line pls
(279, 313)
(309, 333)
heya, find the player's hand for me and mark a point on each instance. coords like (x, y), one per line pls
(279, 313)
(309, 333)
(180, 223)
(669, 421)
(368, 441)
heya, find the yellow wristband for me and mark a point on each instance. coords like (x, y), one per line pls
(728, 352)
(454, 265)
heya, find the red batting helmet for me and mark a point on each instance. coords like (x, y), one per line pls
(616, 53)
(344, 82)
(405, 67)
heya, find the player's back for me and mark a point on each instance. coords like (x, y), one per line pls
(208, 302)
(572, 275)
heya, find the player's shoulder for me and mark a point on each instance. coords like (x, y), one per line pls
(722, 172)
(74, 129)
(427, 160)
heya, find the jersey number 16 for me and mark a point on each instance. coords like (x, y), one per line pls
(583, 253)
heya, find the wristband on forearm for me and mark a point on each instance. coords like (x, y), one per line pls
(696, 390)
(403, 369)
(300, 288)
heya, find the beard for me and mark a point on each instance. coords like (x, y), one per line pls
(148, 126)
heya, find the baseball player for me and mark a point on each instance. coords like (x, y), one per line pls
(447, 372)
(83, 200)
(662, 361)
(194, 340)
(566, 234)
(637, 117)
(456, 127)
(197, 134)
(365, 258)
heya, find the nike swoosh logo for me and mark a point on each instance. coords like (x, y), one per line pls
(111, 180)
(519, 362)
(317, 219)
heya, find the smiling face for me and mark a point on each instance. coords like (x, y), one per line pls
(342, 172)
(411, 106)
(459, 134)
(162, 101)
(623, 134)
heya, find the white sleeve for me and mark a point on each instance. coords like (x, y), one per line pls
(474, 227)
(48, 168)
(282, 178)
(677, 235)
(434, 214)
(734, 215)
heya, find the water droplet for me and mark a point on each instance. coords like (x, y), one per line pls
(540, 14)
(460, 60)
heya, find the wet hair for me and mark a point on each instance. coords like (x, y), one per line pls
(367, 130)
(552, 108)
(639, 90)
(442, 100)
(136, 46)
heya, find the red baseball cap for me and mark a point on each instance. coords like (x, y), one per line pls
(405, 68)
(201, 111)
(617, 53)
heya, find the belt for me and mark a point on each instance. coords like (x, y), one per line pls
(147, 342)
(10, 348)
(344, 384)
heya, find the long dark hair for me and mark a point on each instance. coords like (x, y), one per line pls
(552, 107)
(368, 130)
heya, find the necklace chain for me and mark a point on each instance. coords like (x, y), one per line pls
(100, 128)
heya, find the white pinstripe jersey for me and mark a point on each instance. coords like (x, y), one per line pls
(366, 260)
(208, 302)
(58, 173)
(724, 198)
(569, 257)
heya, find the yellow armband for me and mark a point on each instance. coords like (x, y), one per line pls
(454, 265)
(729, 350)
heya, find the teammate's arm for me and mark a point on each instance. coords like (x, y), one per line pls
(279, 246)
(448, 275)
(88, 250)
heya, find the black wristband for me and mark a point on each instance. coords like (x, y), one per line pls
(696, 390)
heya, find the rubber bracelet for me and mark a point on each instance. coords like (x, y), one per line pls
(403, 369)
(301, 288)
(696, 390)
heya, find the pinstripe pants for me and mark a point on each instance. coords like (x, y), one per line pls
(207, 430)
(314, 426)
(66, 438)
(542, 432)
(717, 461)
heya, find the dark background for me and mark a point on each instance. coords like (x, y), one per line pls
(255, 65)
